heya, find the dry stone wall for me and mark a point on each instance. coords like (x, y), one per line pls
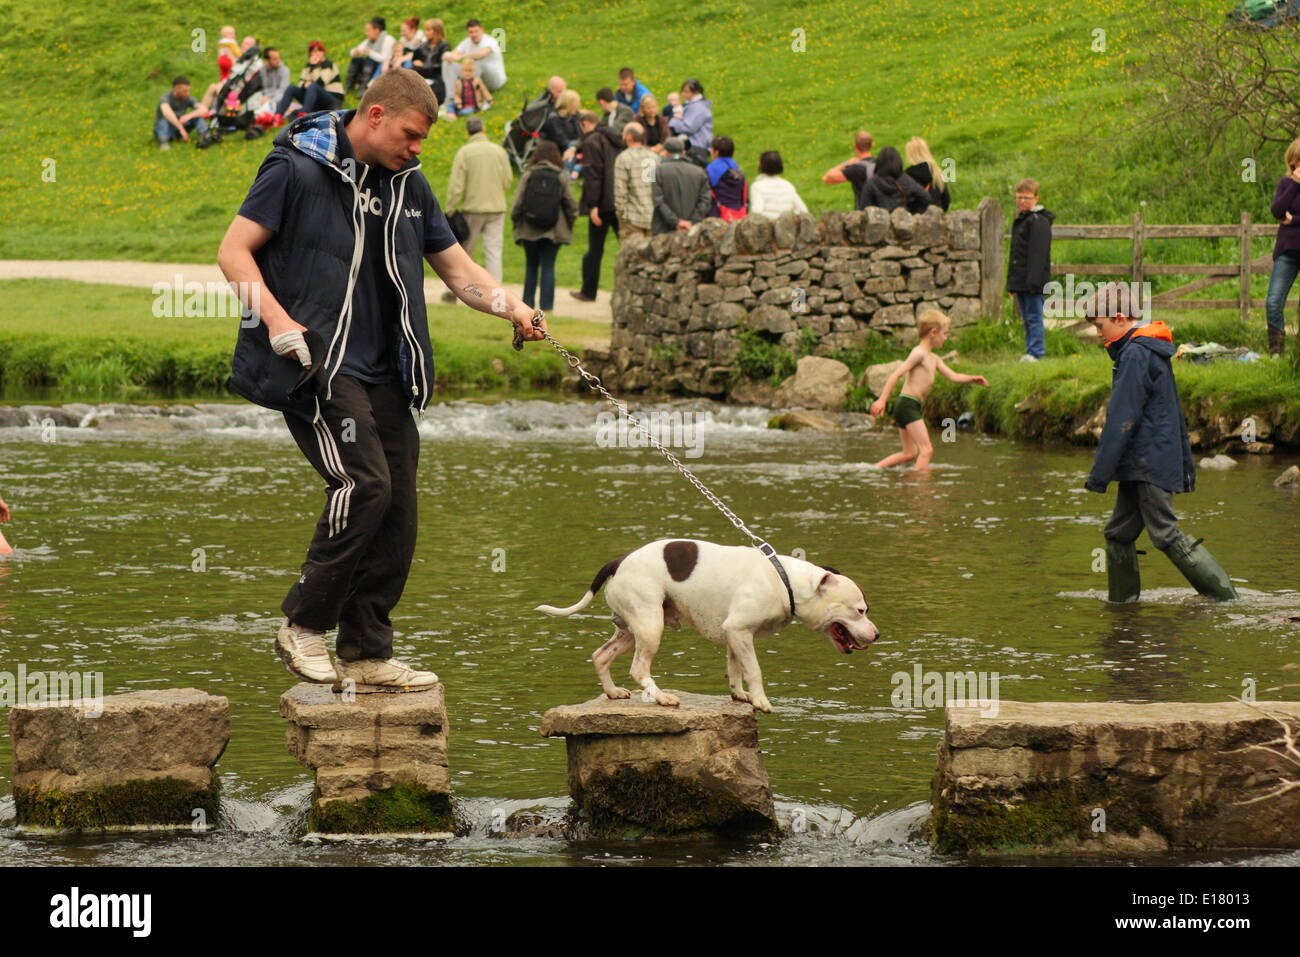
(681, 299)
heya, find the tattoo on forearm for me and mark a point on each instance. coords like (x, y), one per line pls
(473, 290)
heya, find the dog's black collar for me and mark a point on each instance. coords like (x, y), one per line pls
(770, 552)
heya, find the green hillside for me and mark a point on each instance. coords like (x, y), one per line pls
(1005, 89)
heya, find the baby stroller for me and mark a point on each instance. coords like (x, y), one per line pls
(234, 106)
(523, 130)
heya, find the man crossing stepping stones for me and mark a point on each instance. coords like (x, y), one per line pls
(327, 251)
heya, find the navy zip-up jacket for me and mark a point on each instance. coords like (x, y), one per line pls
(310, 265)
(1145, 437)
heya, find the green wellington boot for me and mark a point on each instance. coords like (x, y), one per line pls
(1122, 571)
(1200, 569)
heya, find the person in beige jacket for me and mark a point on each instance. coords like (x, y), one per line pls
(480, 176)
(634, 176)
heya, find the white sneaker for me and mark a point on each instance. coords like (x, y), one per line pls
(389, 673)
(1028, 358)
(303, 652)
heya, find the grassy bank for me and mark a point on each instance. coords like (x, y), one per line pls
(1002, 88)
(70, 341)
(1055, 399)
(76, 341)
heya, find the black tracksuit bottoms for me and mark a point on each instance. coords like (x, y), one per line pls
(366, 446)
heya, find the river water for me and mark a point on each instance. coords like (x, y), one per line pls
(985, 565)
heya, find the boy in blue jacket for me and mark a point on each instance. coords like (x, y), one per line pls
(1144, 447)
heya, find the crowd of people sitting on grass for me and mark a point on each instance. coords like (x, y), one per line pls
(254, 91)
(641, 167)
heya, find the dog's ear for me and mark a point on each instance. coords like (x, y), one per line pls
(833, 571)
(826, 580)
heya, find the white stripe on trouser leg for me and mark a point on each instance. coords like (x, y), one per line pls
(340, 498)
(323, 443)
(343, 499)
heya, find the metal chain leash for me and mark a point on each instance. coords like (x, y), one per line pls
(594, 382)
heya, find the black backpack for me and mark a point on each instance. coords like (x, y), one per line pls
(542, 198)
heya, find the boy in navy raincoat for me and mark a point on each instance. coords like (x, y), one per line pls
(1144, 447)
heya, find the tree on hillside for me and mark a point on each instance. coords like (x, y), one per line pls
(1220, 76)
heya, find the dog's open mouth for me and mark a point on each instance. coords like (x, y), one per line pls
(844, 639)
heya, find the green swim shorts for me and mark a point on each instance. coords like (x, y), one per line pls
(907, 409)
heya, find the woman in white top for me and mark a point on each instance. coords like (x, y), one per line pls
(771, 193)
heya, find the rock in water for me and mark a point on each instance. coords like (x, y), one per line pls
(1288, 479)
(380, 759)
(818, 383)
(1218, 462)
(136, 760)
(637, 768)
(804, 419)
(1112, 778)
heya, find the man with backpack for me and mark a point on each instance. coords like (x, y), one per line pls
(328, 252)
(680, 190)
(543, 215)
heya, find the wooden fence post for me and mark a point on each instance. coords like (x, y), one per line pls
(1243, 288)
(992, 275)
(1139, 235)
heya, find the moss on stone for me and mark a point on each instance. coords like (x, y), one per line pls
(403, 808)
(1045, 816)
(634, 803)
(157, 801)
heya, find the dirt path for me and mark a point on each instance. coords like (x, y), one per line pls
(126, 273)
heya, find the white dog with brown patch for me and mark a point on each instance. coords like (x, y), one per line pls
(729, 594)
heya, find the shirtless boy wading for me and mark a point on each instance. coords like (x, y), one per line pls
(919, 367)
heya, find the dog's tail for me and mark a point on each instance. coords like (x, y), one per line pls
(606, 572)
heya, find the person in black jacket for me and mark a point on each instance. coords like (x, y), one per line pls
(427, 59)
(927, 172)
(1144, 447)
(328, 252)
(889, 187)
(562, 127)
(1029, 267)
(596, 202)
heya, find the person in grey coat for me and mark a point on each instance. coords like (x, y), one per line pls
(543, 216)
(680, 190)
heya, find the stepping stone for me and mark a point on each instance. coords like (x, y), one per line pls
(1112, 778)
(137, 761)
(638, 769)
(380, 760)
